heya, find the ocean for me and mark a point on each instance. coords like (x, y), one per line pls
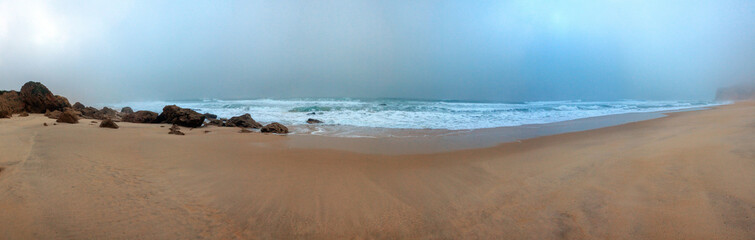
(415, 114)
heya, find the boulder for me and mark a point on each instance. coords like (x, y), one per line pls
(68, 117)
(127, 110)
(210, 116)
(140, 117)
(313, 121)
(106, 113)
(62, 102)
(244, 121)
(274, 128)
(215, 122)
(175, 130)
(37, 98)
(181, 116)
(11, 102)
(88, 112)
(108, 123)
(53, 114)
(78, 106)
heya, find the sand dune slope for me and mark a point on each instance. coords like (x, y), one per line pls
(687, 176)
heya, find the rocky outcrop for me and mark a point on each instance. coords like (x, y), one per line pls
(274, 128)
(108, 123)
(736, 93)
(38, 99)
(244, 121)
(210, 116)
(106, 113)
(88, 112)
(78, 106)
(127, 110)
(53, 114)
(313, 121)
(68, 117)
(181, 116)
(215, 122)
(11, 102)
(140, 117)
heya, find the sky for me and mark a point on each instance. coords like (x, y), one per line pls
(522, 50)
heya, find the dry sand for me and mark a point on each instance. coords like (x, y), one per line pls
(687, 176)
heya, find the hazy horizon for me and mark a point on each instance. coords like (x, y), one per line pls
(104, 51)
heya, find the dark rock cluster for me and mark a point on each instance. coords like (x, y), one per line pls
(274, 128)
(140, 117)
(243, 121)
(34, 97)
(108, 123)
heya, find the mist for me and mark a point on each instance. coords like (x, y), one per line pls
(108, 51)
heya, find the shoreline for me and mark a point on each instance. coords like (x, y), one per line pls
(423, 141)
(685, 176)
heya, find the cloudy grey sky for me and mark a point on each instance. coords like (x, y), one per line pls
(105, 51)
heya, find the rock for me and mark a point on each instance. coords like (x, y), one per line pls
(106, 113)
(62, 102)
(108, 123)
(206, 131)
(127, 110)
(44, 124)
(88, 112)
(312, 113)
(313, 121)
(5, 114)
(736, 93)
(244, 130)
(215, 122)
(37, 98)
(210, 116)
(11, 102)
(244, 121)
(274, 128)
(23, 114)
(68, 117)
(54, 114)
(78, 106)
(175, 130)
(140, 117)
(180, 116)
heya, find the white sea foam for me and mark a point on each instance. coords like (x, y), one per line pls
(408, 114)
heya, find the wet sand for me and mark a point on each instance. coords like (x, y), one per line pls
(686, 176)
(417, 141)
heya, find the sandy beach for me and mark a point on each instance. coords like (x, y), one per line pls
(686, 176)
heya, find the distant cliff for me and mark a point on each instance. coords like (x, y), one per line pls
(736, 93)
